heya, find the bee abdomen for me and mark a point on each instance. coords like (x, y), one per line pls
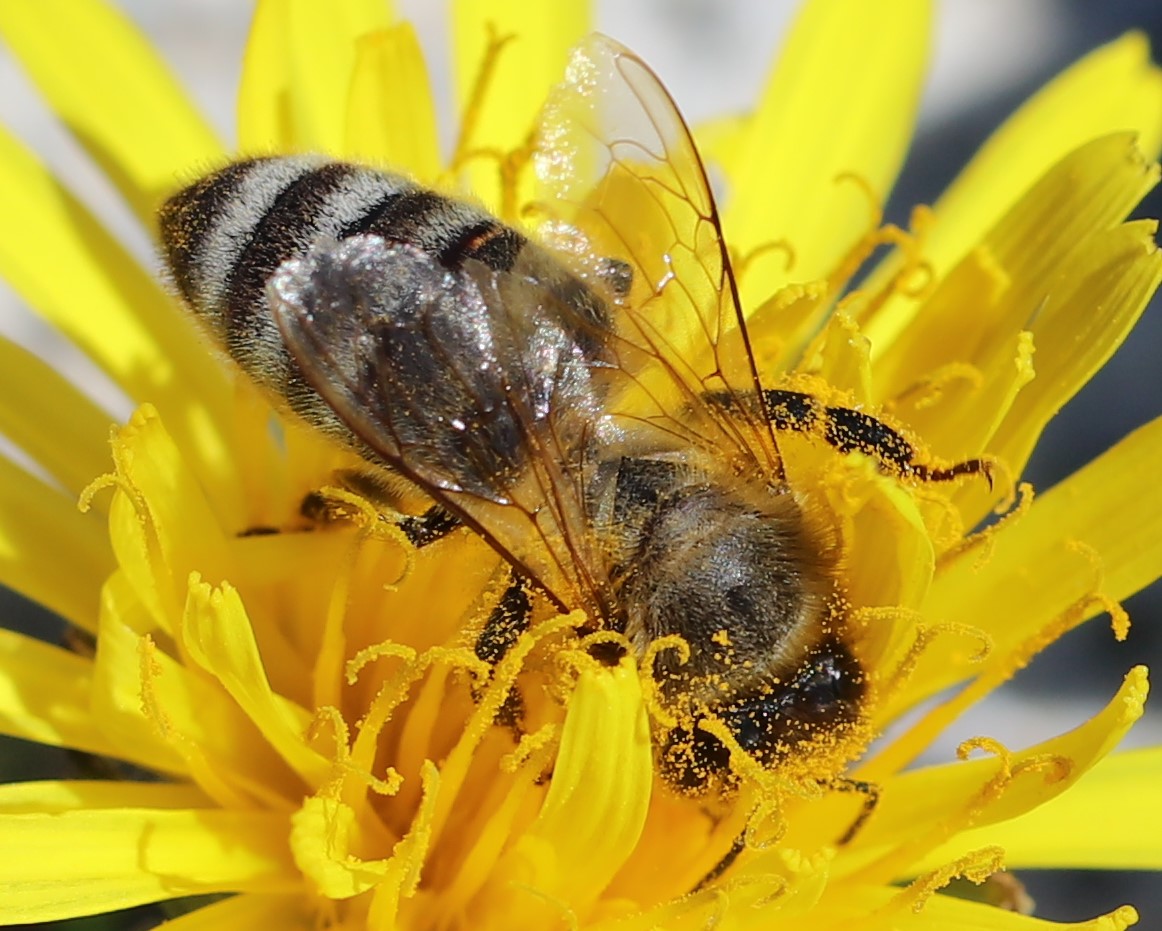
(226, 235)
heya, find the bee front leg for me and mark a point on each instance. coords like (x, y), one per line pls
(871, 798)
(850, 430)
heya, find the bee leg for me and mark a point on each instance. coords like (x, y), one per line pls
(386, 491)
(421, 530)
(850, 430)
(871, 797)
(434, 524)
(508, 620)
(738, 845)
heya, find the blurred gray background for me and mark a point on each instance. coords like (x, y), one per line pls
(713, 55)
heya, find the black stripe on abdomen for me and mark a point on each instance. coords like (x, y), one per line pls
(489, 242)
(185, 220)
(284, 232)
(398, 217)
(447, 230)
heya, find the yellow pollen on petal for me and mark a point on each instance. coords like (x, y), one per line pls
(997, 670)
(975, 867)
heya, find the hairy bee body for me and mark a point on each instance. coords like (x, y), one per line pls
(438, 342)
(596, 414)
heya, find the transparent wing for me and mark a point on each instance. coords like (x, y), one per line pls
(621, 178)
(484, 388)
(472, 385)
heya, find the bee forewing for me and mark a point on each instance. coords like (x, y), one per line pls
(448, 379)
(617, 161)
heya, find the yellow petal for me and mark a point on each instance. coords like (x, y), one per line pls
(1115, 88)
(147, 701)
(920, 809)
(1092, 309)
(162, 526)
(842, 100)
(60, 795)
(113, 91)
(1097, 533)
(721, 139)
(391, 116)
(34, 520)
(245, 913)
(107, 305)
(1023, 258)
(297, 73)
(1110, 820)
(58, 426)
(264, 116)
(44, 695)
(596, 806)
(219, 638)
(498, 106)
(121, 857)
(891, 555)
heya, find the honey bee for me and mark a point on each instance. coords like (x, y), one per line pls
(590, 407)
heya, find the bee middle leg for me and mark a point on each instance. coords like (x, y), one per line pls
(850, 430)
(737, 846)
(385, 493)
(871, 798)
(869, 790)
(509, 619)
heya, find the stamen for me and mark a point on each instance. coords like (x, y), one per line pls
(384, 650)
(976, 866)
(913, 264)
(928, 391)
(558, 905)
(494, 45)
(742, 764)
(876, 236)
(504, 674)
(100, 483)
(396, 686)
(537, 744)
(656, 705)
(1119, 618)
(766, 826)
(741, 263)
(998, 671)
(205, 773)
(985, 540)
(509, 164)
(408, 856)
(330, 717)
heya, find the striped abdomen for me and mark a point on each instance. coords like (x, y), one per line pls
(225, 236)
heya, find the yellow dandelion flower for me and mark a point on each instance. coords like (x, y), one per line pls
(303, 725)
